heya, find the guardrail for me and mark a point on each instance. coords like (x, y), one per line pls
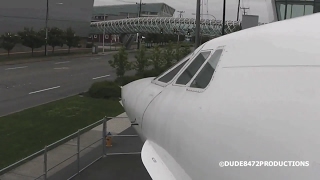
(77, 135)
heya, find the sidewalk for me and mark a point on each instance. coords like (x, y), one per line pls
(35, 167)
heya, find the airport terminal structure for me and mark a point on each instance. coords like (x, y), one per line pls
(287, 9)
(17, 14)
(116, 12)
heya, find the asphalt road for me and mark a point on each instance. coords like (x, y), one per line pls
(27, 85)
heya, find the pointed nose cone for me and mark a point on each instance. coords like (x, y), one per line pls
(130, 94)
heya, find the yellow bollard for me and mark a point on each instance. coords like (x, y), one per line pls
(109, 141)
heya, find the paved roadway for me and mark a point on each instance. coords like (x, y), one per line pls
(27, 85)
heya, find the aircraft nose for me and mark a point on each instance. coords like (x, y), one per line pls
(130, 94)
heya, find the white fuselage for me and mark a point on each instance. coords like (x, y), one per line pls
(263, 104)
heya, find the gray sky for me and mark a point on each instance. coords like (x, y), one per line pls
(257, 7)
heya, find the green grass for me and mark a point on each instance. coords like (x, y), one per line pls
(28, 131)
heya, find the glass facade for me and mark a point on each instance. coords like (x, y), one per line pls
(287, 9)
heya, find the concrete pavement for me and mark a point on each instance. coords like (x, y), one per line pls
(27, 85)
(34, 168)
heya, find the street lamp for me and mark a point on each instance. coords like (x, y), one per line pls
(139, 15)
(47, 17)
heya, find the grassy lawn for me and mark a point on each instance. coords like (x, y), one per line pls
(24, 133)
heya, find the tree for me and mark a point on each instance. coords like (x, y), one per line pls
(55, 37)
(8, 41)
(142, 61)
(185, 50)
(205, 39)
(234, 28)
(31, 38)
(168, 55)
(156, 59)
(71, 39)
(178, 52)
(120, 62)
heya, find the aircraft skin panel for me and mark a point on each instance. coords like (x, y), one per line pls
(261, 105)
(237, 120)
(160, 164)
(283, 43)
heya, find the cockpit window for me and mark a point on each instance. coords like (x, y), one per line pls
(205, 75)
(169, 76)
(192, 69)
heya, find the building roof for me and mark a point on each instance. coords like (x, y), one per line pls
(132, 8)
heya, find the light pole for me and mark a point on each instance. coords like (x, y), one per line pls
(202, 15)
(47, 16)
(224, 17)
(104, 32)
(238, 10)
(139, 15)
(46, 29)
(180, 16)
(197, 44)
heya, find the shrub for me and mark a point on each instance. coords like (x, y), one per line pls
(89, 45)
(120, 62)
(105, 90)
(121, 81)
(142, 61)
(156, 59)
(168, 55)
(152, 73)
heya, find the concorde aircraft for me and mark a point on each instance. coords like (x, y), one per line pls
(253, 95)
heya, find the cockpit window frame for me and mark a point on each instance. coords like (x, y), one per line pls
(160, 83)
(187, 65)
(187, 58)
(200, 90)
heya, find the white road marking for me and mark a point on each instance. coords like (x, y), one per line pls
(62, 62)
(61, 68)
(16, 68)
(44, 90)
(101, 77)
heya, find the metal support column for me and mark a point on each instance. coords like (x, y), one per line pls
(238, 10)
(78, 151)
(224, 17)
(197, 43)
(46, 29)
(104, 32)
(139, 15)
(45, 167)
(104, 133)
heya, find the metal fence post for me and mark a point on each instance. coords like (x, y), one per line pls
(104, 127)
(78, 151)
(45, 163)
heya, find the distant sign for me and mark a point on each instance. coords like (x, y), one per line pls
(249, 21)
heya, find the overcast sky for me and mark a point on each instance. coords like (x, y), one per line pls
(257, 7)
